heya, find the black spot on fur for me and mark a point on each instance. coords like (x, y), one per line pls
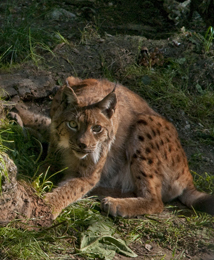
(152, 146)
(149, 136)
(177, 177)
(138, 177)
(157, 145)
(143, 173)
(158, 131)
(148, 150)
(173, 162)
(150, 161)
(178, 158)
(154, 133)
(151, 118)
(134, 155)
(138, 151)
(141, 121)
(142, 158)
(141, 138)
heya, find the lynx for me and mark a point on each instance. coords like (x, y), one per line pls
(111, 140)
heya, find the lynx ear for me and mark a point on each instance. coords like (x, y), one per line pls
(69, 96)
(108, 104)
(70, 81)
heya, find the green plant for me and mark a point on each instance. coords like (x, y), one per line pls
(61, 38)
(3, 171)
(208, 38)
(205, 41)
(3, 148)
(88, 33)
(42, 183)
(204, 182)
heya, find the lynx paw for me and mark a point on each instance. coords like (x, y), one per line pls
(114, 207)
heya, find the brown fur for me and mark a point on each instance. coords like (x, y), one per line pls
(136, 152)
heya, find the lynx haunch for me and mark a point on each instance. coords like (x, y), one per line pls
(113, 142)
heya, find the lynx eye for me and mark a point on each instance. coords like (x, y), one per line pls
(97, 128)
(72, 125)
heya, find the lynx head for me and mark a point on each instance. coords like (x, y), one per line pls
(83, 127)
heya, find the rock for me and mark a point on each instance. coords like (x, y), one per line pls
(37, 86)
(187, 127)
(18, 200)
(60, 14)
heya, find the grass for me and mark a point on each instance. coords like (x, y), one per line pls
(89, 33)
(176, 232)
(22, 37)
(169, 85)
(25, 156)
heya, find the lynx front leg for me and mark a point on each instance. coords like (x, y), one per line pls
(75, 188)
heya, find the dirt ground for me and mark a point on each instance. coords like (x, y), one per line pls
(108, 52)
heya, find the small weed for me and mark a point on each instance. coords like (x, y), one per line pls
(3, 171)
(42, 183)
(205, 182)
(106, 69)
(61, 38)
(3, 148)
(89, 33)
(208, 38)
(203, 42)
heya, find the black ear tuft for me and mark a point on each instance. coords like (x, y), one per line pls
(108, 104)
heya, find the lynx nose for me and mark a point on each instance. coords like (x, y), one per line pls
(82, 145)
